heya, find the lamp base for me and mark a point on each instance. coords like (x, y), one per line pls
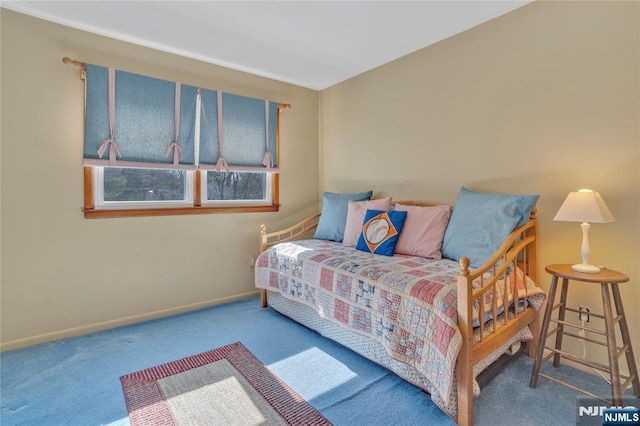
(585, 268)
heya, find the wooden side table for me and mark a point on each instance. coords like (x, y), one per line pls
(607, 278)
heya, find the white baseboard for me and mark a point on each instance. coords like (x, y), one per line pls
(106, 325)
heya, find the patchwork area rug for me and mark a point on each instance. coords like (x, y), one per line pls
(224, 386)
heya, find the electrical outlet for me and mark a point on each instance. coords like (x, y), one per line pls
(252, 262)
(583, 314)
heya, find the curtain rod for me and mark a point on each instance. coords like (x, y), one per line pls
(83, 72)
(83, 67)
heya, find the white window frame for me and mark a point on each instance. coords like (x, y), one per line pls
(101, 204)
(267, 200)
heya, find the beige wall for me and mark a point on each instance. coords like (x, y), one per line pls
(543, 100)
(63, 274)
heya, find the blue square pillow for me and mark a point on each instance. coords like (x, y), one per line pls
(480, 222)
(334, 214)
(380, 231)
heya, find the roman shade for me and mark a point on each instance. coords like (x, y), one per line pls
(137, 121)
(237, 132)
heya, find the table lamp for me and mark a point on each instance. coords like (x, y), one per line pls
(584, 206)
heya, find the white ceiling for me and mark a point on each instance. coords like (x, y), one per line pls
(313, 44)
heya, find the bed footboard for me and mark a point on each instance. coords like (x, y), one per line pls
(302, 229)
(519, 249)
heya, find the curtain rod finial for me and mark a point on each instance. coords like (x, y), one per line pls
(68, 61)
(282, 107)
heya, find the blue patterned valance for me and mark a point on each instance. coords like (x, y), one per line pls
(236, 132)
(138, 121)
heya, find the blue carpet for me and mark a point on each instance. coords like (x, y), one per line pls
(76, 381)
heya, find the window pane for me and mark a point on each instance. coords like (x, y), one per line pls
(127, 184)
(236, 186)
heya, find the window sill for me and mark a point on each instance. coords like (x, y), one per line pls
(175, 211)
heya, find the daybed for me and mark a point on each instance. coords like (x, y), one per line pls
(419, 314)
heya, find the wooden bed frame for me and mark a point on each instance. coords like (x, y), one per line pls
(521, 246)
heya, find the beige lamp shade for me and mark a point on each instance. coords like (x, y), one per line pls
(584, 206)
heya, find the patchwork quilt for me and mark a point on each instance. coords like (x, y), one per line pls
(406, 303)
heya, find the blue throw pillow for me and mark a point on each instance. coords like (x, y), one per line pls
(334, 214)
(380, 231)
(480, 222)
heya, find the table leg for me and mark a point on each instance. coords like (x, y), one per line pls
(616, 388)
(561, 311)
(543, 333)
(626, 340)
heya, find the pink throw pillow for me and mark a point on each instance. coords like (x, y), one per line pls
(355, 218)
(423, 231)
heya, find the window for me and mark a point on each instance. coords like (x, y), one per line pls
(240, 187)
(154, 147)
(120, 187)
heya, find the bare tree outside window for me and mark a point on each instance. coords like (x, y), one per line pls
(236, 186)
(130, 184)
